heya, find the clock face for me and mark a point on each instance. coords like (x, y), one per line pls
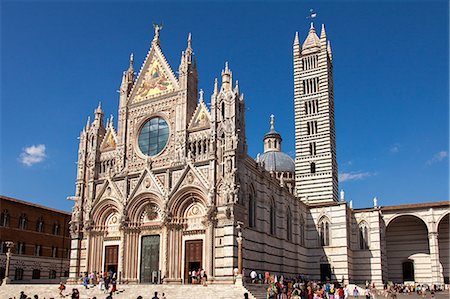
(153, 136)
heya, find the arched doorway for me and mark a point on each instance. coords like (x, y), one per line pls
(408, 253)
(444, 248)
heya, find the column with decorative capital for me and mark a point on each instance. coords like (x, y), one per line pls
(9, 246)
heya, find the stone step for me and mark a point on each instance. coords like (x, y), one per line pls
(130, 291)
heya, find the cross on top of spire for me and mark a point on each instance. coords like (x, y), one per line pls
(272, 122)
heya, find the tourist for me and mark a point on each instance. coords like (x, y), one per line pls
(266, 277)
(86, 281)
(253, 276)
(75, 294)
(163, 296)
(367, 292)
(114, 286)
(204, 278)
(107, 280)
(193, 276)
(355, 292)
(156, 296)
(110, 296)
(61, 288)
(345, 292)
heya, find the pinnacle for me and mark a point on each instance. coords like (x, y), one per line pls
(296, 40)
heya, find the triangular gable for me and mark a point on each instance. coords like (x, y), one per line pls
(155, 78)
(192, 177)
(110, 140)
(109, 190)
(147, 183)
(200, 119)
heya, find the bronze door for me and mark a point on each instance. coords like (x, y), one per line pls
(111, 258)
(193, 258)
(149, 258)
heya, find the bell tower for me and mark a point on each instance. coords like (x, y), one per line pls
(316, 175)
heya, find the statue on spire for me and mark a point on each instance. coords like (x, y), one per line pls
(272, 122)
(157, 29)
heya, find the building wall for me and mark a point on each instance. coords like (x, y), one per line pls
(49, 240)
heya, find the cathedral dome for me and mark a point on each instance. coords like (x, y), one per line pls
(277, 161)
(273, 158)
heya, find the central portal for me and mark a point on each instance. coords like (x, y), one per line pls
(150, 259)
(193, 258)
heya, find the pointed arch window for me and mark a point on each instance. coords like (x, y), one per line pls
(56, 228)
(272, 217)
(251, 209)
(324, 231)
(363, 235)
(313, 167)
(4, 218)
(302, 230)
(289, 224)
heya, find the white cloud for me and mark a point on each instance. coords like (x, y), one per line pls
(395, 148)
(33, 154)
(353, 176)
(438, 157)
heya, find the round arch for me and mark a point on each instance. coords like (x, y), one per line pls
(407, 248)
(396, 216)
(183, 198)
(137, 204)
(103, 209)
(444, 245)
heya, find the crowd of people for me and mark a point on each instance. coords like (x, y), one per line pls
(198, 277)
(298, 287)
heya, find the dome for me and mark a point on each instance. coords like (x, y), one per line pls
(277, 161)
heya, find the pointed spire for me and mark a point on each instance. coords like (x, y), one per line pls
(131, 61)
(111, 121)
(200, 99)
(311, 28)
(189, 41)
(236, 87)
(323, 34)
(272, 122)
(216, 86)
(88, 123)
(296, 40)
(99, 108)
(227, 78)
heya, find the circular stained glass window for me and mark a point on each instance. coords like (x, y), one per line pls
(153, 136)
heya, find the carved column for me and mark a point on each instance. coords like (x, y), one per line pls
(9, 246)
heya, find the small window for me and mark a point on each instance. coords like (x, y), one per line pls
(23, 221)
(38, 250)
(324, 232)
(289, 224)
(363, 236)
(20, 248)
(302, 231)
(36, 274)
(18, 274)
(272, 216)
(56, 229)
(313, 167)
(54, 251)
(40, 225)
(312, 148)
(52, 274)
(4, 218)
(223, 110)
(251, 210)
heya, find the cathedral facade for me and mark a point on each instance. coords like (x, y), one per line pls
(172, 188)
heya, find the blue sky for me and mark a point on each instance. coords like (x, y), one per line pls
(390, 73)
